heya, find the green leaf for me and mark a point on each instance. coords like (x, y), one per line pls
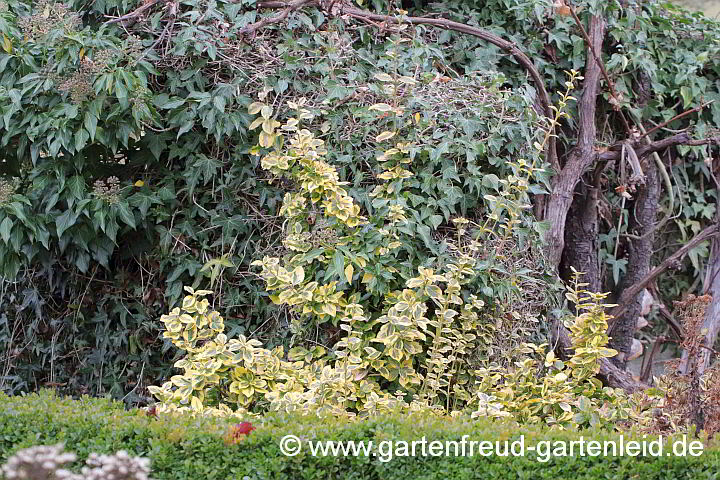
(490, 181)
(338, 263)
(121, 91)
(436, 220)
(5, 228)
(76, 186)
(219, 103)
(64, 221)
(125, 214)
(81, 138)
(686, 95)
(424, 232)
(156, 143)
(82, 261)
(185, 127)
(169, 104)
(91, 124)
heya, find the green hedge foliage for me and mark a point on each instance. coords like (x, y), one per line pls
(186, 448)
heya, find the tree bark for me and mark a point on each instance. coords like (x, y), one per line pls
(612, 375)
(642, 224)
(581, 233)
(583, 155)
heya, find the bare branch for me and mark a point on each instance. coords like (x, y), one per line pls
(633, 290)
(600, 64)
(676, 117)
(703, 141)
(289, 7)
(647, 368)
(134, 14)
(615, 151)
(614, 376)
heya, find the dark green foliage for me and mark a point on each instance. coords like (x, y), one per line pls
(186, 449)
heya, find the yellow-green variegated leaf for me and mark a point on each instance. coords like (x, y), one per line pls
(297, 276)
(433, 291)
(256, 123)
(384, 136)
(381, 107)
(255, 107)
(383, 77)
(266, 139)
(330, 309)
(7, 44)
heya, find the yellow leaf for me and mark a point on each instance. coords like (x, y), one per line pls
(349, 270)
(266, 140)
(407, 80)
(82, 53)
(7, 44)
(384, 136)
(255, 107)
(298, 275)
(269, 126)
(139, 183)
(383, 77)
(381, 107)
(367, 277)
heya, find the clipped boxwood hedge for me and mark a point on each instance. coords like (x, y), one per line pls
(197, 449)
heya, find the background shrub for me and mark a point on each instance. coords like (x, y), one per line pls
(127, 175)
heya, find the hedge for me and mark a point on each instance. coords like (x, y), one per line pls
(198, 449)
